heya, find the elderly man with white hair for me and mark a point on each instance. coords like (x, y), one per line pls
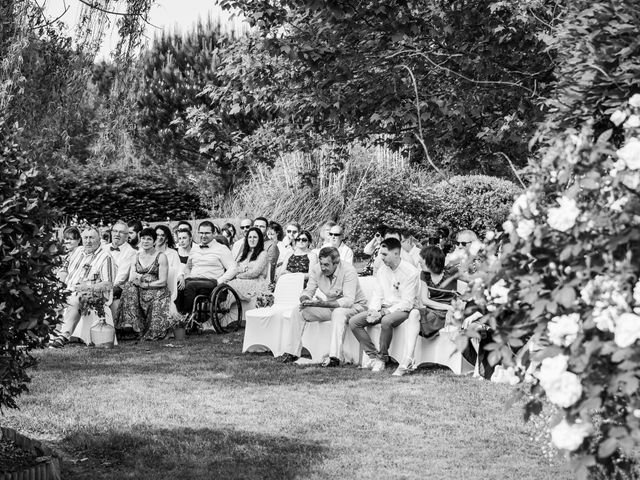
(124, 255)
(89, 275)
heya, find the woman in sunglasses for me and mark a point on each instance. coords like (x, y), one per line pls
(300, 259)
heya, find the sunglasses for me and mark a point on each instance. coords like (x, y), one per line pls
(302, 239)
(462, 244)
(335, 234)
(245, 227)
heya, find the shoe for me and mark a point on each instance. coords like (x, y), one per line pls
(331, 362)
(58, 342)
(404, 369)
(288, 358)
(378, 365)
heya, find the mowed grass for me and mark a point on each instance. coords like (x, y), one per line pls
(207, 411)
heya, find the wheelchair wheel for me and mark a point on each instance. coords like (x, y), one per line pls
(226, 309)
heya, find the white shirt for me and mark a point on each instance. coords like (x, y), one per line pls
(397, 289)
(123, 257)
(404, 255)
(213, 262)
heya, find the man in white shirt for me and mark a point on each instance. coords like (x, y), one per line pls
(407, 252)
(395, 295)
(124, 255)
(245, 225)
(210, 264)
(335, 237)
(90, 272)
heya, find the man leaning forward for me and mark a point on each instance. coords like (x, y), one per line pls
(338, 282)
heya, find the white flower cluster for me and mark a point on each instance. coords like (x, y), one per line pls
(505, 375)
(563, 217)
(566, 436)
(628, 165)
(498, 294)
(563, 330)
(563, 388)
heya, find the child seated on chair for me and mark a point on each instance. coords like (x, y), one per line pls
(438, 289)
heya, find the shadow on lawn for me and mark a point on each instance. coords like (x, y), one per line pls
(186, 454)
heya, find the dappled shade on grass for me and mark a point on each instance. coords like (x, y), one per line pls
(189, 454)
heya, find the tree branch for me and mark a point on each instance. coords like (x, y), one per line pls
(122, 14)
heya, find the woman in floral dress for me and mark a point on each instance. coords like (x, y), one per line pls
(145, 300)
(300, 259)
(251, 279)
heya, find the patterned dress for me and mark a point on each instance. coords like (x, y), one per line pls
(145, 309)
(298, 263)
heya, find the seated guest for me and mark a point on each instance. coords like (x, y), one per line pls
(165, 244)
(229, 231)
(323, 236)
(105, 235)
(273, 252)
(438, 290)
(184, 225)
(124, 255)
(209, 264)
(135, 226)
(444, 240)
(290, 235)
(70, 241)
(146, 298)
(251, 277)
(371, 249)
(245, 225)
(395, 295)
(90, 272)
(335, 235)
(338, 281)
(405, 253)
(185, 242)
(464, 239)
(275, 233)
(300, 259)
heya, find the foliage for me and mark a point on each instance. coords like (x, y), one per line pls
(29, 292)
(475, 201)
(567, 279)
(340, 70)
(108, 195)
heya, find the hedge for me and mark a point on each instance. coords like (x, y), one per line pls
(107, 195)
(478, 202)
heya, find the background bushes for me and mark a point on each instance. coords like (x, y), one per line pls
(478, 202)
(107, 195)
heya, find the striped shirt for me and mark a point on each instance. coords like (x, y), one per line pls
(95, 267)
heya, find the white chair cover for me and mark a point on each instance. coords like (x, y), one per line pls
(265, 325)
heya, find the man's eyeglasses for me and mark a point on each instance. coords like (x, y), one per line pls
(335, 234)
(462, 244)
(302, 239)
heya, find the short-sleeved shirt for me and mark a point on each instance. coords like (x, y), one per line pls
(446, 290)
(211, 262)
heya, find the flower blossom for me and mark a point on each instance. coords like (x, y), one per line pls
(563, 390)
(505, 375)
(634, 101)
(627, 330)
(499, 292)
(508, 226)
(618, 117)
(552, 367)
(526, 201)
(569, 437)
(525, 228)
(564, 217)
(564, 329)
(632, 122)
(630, 153)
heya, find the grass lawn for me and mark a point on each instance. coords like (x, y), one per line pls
(206, 411)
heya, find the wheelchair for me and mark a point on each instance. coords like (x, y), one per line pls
(222, 307)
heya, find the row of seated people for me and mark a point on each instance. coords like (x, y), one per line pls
(150, 285)
(148, 288)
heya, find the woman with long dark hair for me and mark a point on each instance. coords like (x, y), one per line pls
(251, 279)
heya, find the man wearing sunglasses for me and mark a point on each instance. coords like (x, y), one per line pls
(336, 240)
(210, 263)
(245, 225)
(338, 282)
(464, 239)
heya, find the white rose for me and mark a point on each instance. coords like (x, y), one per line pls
(631, 180)
(630, 153)
(490, 235)
(508, 226)
(499, 292)
(505, 375)
(564, 217)
(569, 437)
(564, 390)
(563, 330)
(525, 228)
(603, 317)
(551, 368)
(632, 122)
(627, 330)
(634, 101)
(618, 117)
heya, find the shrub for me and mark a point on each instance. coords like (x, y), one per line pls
(478, 202)
(98, 194)
(29, 292)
